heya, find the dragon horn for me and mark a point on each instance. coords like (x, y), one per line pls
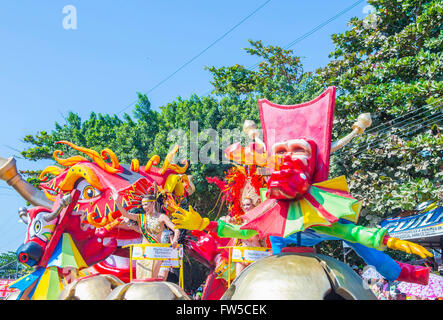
(8, 173)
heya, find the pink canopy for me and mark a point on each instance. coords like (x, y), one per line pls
(433, 290)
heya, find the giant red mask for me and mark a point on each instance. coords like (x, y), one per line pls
(294, 170)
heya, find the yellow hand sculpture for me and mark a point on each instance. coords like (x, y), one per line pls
(408, 247)
(189, 220)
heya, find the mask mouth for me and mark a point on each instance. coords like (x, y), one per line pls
(291, 181)
(285, 190)
(278, 193)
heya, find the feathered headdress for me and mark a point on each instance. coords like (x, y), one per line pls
(164, 200)
(239, 183)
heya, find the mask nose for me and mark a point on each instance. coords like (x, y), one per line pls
(29, 253)
(287, 157)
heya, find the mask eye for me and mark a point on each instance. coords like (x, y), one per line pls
(299, 146)
(280, 150)
(297, 149)
(87, 191)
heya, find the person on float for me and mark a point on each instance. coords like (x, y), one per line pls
(254, 241)
(168, 237)
(151, 224)
(247, 204)
(300, 199)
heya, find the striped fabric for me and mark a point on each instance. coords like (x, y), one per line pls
(324, 204)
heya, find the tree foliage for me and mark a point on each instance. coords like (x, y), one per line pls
(9, 266)
(390, 64)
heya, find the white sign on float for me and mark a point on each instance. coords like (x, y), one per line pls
(137, 252)
(171, 256)
(249, 254)
(171, 264)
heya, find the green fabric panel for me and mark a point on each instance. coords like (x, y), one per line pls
(263, 194)
(334, 204)
(227, 230)
(294, 219)
(67, 254)
(369, 237)
(54, 284)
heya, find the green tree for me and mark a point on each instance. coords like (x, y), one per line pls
(10, 268)
(280, 77)
(390, 64)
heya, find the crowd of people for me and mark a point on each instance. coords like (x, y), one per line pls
(385, 290)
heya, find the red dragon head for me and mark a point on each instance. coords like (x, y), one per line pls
(82, 202)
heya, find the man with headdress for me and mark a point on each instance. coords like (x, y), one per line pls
(296, 148)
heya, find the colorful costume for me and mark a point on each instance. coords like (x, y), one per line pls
(296, 150)
(150, 228)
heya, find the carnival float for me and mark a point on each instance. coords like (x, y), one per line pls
(82, 245)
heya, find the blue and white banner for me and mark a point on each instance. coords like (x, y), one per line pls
(428, 224)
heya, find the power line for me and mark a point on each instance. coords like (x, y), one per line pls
(324, 23)
(403, 126)
(386, 125)
(404, 115)
(9, 263)
(404, 132)
(315, 29)
(201, 52)
(411, 130)
(401, 133)
(17, 156)
(307, 34)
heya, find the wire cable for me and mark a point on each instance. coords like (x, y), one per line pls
(315, 29)
(386, 125)
(200, 53)
(404, 115)
(401, 128)
(406, 131)
(307, 34)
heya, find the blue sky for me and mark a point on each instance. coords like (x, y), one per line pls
(123, 47)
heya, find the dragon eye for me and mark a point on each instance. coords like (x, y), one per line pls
(37, 226)
(87, 191)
